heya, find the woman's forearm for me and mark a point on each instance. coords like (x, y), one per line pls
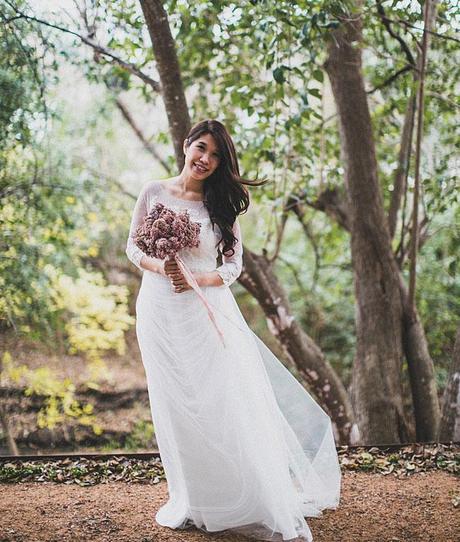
(212, 278)
(152, 264)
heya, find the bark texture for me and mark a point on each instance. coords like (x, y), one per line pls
(425, 399)
(305, 355)
(11, 443)
(450, 421)
(421, 368)
(399, 184)
(415, 345)
(172, 90)
(4, 421)
(377, 389)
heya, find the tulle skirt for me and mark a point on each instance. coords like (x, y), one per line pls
(243, 445)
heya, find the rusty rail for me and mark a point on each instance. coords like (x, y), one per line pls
(148, 455)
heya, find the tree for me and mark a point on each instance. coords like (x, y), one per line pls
(450, 421)
(380, 291)
(286, 41)
(376, 377)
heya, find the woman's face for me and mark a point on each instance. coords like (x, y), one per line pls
(202, 157)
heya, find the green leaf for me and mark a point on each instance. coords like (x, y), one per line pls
(278, 75)
(318, 75)
(314, 92)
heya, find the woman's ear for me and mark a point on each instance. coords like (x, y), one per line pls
(185, 145)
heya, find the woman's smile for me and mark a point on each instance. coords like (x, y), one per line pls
(200, 168)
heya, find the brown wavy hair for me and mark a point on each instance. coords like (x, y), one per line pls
(225, 195)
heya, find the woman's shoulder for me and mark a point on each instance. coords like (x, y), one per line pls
(151, 189)
(153, 186)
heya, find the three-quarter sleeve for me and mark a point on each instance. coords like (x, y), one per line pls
(232, 266)
(141, 208)
(133, 252)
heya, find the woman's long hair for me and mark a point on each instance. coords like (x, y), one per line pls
(225, 195)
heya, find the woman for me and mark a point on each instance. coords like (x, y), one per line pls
(243, 445)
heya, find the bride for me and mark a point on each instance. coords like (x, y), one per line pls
(244, 446)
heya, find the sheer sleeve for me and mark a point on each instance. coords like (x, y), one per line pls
(232, 266)
(141, 208)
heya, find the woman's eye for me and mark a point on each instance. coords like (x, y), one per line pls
(201, 148)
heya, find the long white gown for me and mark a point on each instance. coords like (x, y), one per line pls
(243, 445)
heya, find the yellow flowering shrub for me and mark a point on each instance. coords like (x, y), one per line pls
(59, 402)
(96, 313)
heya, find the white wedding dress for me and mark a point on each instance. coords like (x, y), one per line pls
(243, 445)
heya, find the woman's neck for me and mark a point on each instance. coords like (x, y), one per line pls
(176, 187)
(188, 185)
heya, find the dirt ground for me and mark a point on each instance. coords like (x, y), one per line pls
(373, 508)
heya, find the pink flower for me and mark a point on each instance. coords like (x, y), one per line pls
(163, 232)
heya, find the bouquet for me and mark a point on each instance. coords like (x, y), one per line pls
(163, 233)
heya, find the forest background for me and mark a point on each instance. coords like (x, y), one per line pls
(322, 98)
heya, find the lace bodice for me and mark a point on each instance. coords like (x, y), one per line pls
(200, 259)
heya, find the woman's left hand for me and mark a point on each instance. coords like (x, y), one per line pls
(176, 277)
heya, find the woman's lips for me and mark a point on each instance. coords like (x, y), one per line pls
(200, 168)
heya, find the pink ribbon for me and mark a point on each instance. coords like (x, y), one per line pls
(194, 284)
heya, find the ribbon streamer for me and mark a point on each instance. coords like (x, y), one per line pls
(193, 283)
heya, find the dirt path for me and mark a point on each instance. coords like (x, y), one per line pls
(373, 508)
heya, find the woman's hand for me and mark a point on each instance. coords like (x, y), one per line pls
(176, 277)
(155, 265)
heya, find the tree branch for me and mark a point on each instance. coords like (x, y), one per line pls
(91, 29)
(402, 170)
(386, 22)
(296, 206)
(432, 32)
(147, 144)
(329, 201)
(128, 66)
(390, 80)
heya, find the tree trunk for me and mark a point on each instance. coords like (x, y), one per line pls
(377, 386)
(415, 346)
(11, 443)
(172, 90)
(450, 421)
(399, 183)
(4, 422)
(406, 137)
(258, 278)
(421, 368)
(421, 371)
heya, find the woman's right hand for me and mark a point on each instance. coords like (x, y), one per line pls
(174, 273)
(161, 267)
(154, 264)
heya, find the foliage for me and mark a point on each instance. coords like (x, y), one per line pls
(439, 300)
(404, 460)
(53, 214)
(141, 437)
(54, 221)
(84, 471)
(94, 312)
(258, 66)
(88, 471)
(59, 394)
